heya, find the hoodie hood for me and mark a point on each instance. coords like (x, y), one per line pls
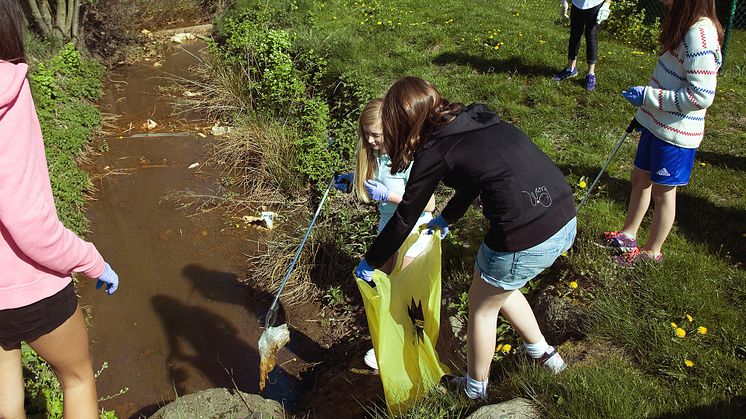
(473, 117)
(12, 78)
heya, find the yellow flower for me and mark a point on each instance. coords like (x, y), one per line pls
(702, 330)
(680, 332)
(506, 348)
(379, 22)
(499, 348)
(689, 363)
(674, 325)
(703, 164)
(541, 41)
(497, 46)
(573, 284)
(582, 184)
(689, 318)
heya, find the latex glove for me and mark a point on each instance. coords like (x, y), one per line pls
(365, 272)
(376, 190)
(344, 182)
(565, 10)
(438, 223)
(110, 278)
(634, 95)
(603, 13)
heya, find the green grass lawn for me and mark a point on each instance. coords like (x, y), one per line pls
(631, 363)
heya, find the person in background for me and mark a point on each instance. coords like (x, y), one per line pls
(524, 197)
(671, 110)
(38, 304)
(585, 17)
(376, 183)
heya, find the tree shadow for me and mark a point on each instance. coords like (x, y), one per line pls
(726, 161)
(697, 219)
(731, 408)
(514, 64)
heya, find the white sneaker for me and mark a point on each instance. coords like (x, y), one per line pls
(370, 359)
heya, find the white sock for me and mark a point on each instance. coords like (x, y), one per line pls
(537, 350)
(475, 389)
(629, 236)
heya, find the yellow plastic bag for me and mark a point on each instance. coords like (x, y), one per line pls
(403, 312)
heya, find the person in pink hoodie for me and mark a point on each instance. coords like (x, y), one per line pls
(38, 304)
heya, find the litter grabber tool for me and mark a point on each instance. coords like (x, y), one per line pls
(632, 126)
(275, 337)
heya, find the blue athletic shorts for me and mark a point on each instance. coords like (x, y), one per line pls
(512, 270)
(667, 164)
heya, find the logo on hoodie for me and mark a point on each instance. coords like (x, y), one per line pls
(540, 196)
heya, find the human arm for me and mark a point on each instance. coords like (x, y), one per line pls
(604, 12)
(457, 206)
(395, 198)
(565, 9)
(428, 169)
(701, 64)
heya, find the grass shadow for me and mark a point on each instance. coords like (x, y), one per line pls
(727, 161)
(731, 408)
(515, 64)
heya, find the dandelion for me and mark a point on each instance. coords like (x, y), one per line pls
(506, 348)
(541, 41)
(689, 363)
(582, 184)
(564, 254)
(573, 284)
(379, 23)
(702, 330)
(497, 46)
(674, 325)
(703, 164)
(499, 348)
(689, 318)
(680, 332)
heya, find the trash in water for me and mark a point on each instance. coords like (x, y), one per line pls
(270, 343)
(181, 37)
(149, 124)
(193, 165)
(265, 219)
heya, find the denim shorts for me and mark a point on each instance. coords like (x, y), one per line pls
(667, 164)
(512, 270)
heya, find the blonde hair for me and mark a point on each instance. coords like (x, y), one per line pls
(366, 161)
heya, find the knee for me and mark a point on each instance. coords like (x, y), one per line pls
(12, 409)
(640, 180)
(663, 194)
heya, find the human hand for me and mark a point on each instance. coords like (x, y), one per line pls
(344, 182)
(603, 13)
(365, 272)
(376, 190)
(438, 223)
(110, 278)
(634, 95)
(565, 10)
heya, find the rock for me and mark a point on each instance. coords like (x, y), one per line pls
(220, 403)
(512, 409)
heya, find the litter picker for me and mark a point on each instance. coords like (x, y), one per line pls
(275, 337)
(632, 126)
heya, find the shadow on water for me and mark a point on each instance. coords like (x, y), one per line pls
(697, 219)
(483, 65)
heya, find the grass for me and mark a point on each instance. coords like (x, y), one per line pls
(504, 54)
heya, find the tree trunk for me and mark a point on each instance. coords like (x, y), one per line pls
(60, 30)
(38, 19)
(75, 23)
(69, 16)
(46, 13)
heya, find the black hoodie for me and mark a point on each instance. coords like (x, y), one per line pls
(524, 195)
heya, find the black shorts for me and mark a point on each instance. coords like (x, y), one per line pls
(30, 322)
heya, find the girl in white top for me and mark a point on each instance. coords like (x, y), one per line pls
(375, 183)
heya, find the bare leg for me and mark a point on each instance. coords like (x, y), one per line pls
(11, 383)
(592, 68)
(663, 216)
(572, 63)
(639, 201)
(66, 350)
(519, 314)
(485, 302)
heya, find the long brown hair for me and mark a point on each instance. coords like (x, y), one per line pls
(366, 161)
(412, 108)
(11, 32)
(683, 14)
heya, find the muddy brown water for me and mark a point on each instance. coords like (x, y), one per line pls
(180, 321)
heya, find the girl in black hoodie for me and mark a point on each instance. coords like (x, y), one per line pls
(524, 196)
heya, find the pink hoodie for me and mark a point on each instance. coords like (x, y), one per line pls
(37, 253)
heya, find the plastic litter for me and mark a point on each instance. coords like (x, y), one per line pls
(149, 124)
(270, 343)
(265, 219)
(179, 38)
(193, 165)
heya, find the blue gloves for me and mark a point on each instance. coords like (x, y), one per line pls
(603, 13)
(634, 95)
(110, 278)
(344, 182)
(365, 272)
(438, 223)
(376, 190)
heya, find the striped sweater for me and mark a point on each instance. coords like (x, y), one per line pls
(682, 87)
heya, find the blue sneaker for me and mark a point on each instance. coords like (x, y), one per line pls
(590, 82)
(565, 74)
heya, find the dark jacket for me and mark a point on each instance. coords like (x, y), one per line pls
(524, 195)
